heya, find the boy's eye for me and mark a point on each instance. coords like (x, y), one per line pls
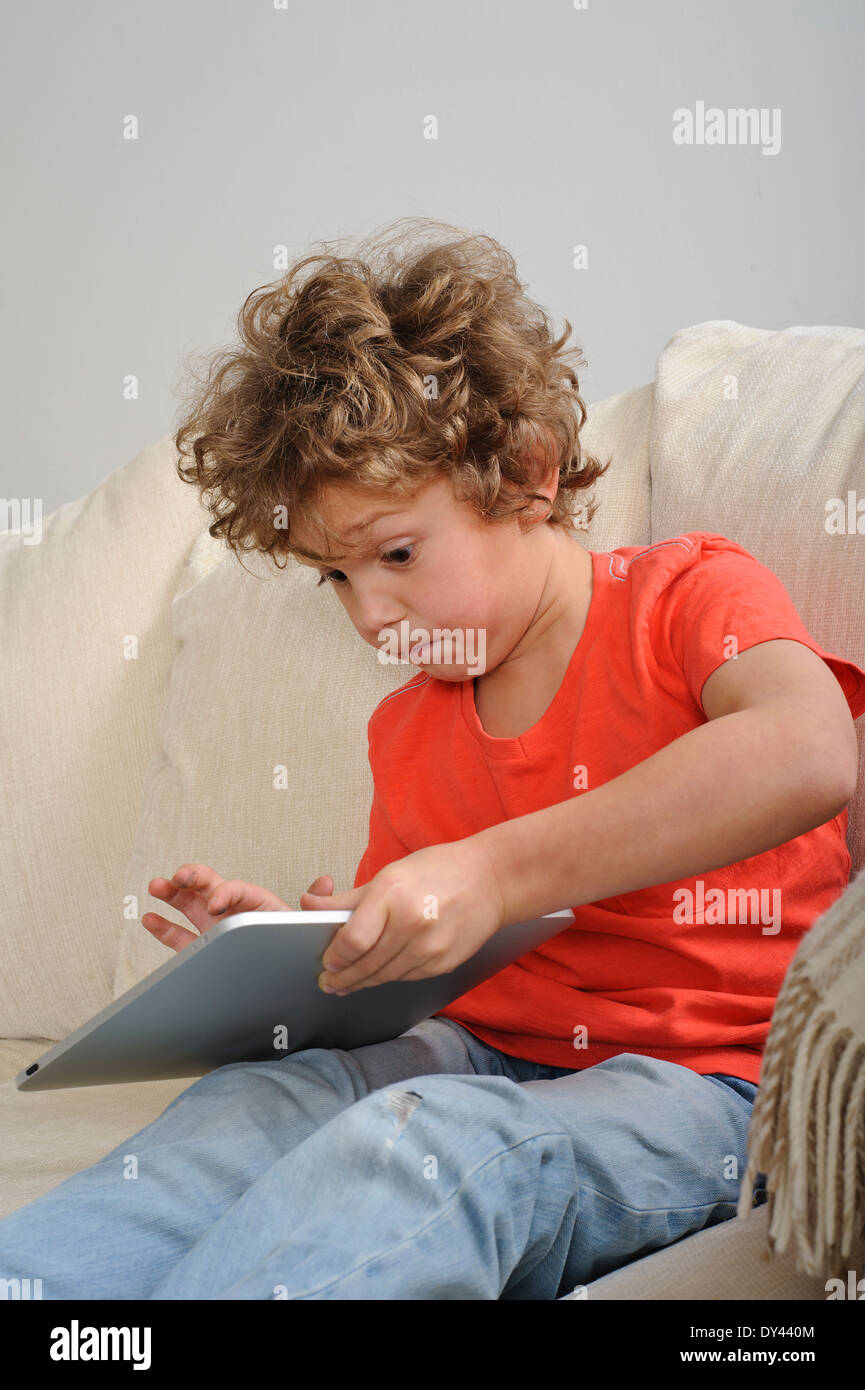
(388, 555)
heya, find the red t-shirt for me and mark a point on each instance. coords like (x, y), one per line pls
(646, 972)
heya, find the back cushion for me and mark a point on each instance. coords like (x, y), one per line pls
(86, 639)
(758, 435)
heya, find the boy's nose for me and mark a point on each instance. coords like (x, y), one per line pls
(376, 632)
(373, 616)
(386, 632)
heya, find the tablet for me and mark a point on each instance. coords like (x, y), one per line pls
(247, 990)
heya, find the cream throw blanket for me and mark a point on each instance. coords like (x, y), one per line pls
(807, 1131)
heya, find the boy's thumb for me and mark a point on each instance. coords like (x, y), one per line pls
(323, 886)
(327, 902)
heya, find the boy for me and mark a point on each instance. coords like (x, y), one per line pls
(655, 741)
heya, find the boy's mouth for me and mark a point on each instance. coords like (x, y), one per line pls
(454, 647)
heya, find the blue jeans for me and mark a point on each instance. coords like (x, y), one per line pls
(432, 1166)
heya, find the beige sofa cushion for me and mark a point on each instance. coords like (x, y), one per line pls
(722, 1263)
(263, 771)
(755, 431)
(620, 428)
(80, 708)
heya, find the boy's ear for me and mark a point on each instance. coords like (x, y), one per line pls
(544, 465)
(537, 511)
(545, 479)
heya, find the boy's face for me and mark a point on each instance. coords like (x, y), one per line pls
(431, 562)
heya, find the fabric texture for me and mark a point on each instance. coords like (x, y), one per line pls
(383, 1173)
(808, 1126)
(87, 648)
(757, 434)
(687, 971)
(49, 1136)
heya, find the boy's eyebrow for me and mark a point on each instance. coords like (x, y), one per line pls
(370, 520)
(352, 530)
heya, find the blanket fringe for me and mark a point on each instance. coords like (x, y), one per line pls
(812, 1083)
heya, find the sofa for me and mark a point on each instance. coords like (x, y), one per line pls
(164, 702)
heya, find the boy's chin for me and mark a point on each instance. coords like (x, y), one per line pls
(447, 672)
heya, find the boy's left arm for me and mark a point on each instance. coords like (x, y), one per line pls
(777, 758)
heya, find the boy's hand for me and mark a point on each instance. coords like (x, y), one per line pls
(420, 916)
(202, 896)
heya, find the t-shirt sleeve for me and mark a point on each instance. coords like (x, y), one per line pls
(726, 601)
(383, 846)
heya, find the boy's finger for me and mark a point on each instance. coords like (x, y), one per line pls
(323, 885)
(371, 970)
(363, 930)
(169, 933)
(166, 888)
(185, 900)
(340, 902)
(233, 894)
(198, 876)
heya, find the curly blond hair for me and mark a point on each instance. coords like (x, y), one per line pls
(386, 369)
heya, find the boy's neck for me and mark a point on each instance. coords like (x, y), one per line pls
(514, 695)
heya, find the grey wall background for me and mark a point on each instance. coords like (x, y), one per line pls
(263, 127)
